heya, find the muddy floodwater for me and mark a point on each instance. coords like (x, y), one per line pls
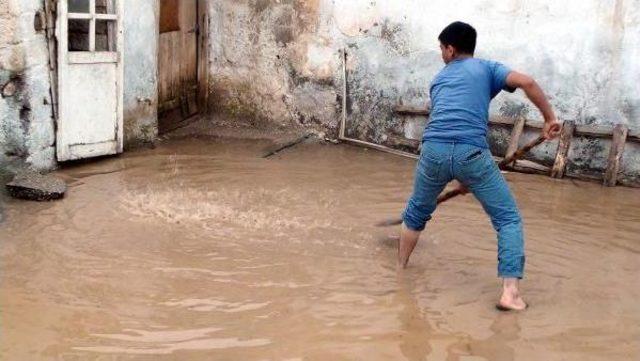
(200, 249)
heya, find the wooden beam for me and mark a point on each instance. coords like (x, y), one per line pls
(50, 14)
(516, 132)
(203, 56)
(598, 131)
(406, 110)
(379, 147)
(566, 135)
(620, 132)
(501, 120)
(396, 141)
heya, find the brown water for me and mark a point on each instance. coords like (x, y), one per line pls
(201, 250)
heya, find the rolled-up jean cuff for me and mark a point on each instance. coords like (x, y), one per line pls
(511, 275)
(411, 224)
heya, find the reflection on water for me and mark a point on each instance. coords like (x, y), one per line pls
(202, 250)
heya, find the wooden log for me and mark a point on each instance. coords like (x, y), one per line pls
(620, 132)
(566, 135)
(516, 132)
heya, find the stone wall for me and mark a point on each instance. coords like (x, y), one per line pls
(279, 61)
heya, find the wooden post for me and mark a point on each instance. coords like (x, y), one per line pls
(566, 136)
(518, 127)
(620, 132)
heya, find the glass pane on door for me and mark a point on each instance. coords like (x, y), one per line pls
(78, 32)
(105, 6)
(78, 6)
(105, 35)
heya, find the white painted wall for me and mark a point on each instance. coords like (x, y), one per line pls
(140, 71)
(280, 60)
(583, 52)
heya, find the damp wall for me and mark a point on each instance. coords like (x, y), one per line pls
(279, 61)
(27, 126)
(26, 117)
(141, 36)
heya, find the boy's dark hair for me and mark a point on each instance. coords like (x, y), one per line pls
(461, 36)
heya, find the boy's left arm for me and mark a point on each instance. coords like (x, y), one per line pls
(538, 98)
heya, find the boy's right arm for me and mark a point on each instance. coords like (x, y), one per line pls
(536, 95)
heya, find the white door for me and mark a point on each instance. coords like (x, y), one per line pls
(90, 78)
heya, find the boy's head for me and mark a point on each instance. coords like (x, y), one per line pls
(457, 39)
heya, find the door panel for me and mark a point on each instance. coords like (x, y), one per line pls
(90, 78)
(94, 117)
(178, 64)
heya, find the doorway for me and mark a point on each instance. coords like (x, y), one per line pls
(89, 78)
(181, 84)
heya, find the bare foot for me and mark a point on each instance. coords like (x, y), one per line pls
(508, 303)
(511, 299)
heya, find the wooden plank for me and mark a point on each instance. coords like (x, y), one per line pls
(620, 132)
(169, 15)
(566, 135)
(50, 14)
(406, 110)
(501, 120)
(379, 147)
(343, 120)
(162, 68)
(396, 141)
(92, 26)
(189, 45)
(203, 56)
(535, 124)
(594, 131)
(120, 86)
(94, 57)
(516, 132)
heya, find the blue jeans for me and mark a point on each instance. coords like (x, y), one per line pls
(474, 167)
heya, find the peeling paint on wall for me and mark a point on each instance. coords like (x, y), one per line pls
(27, 129)
(141, 21)
(26, 120)
(268, 64)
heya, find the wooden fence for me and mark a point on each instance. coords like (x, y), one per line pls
(619, 134)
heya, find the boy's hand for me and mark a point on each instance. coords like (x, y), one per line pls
(551, 129)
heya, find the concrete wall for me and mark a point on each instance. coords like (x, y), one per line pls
(279, 61)
(26, 122)
(27, 127)
(140, 71)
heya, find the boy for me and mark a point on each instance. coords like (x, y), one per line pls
(455, 147)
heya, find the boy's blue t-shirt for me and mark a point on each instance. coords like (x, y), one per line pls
(460, 97)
